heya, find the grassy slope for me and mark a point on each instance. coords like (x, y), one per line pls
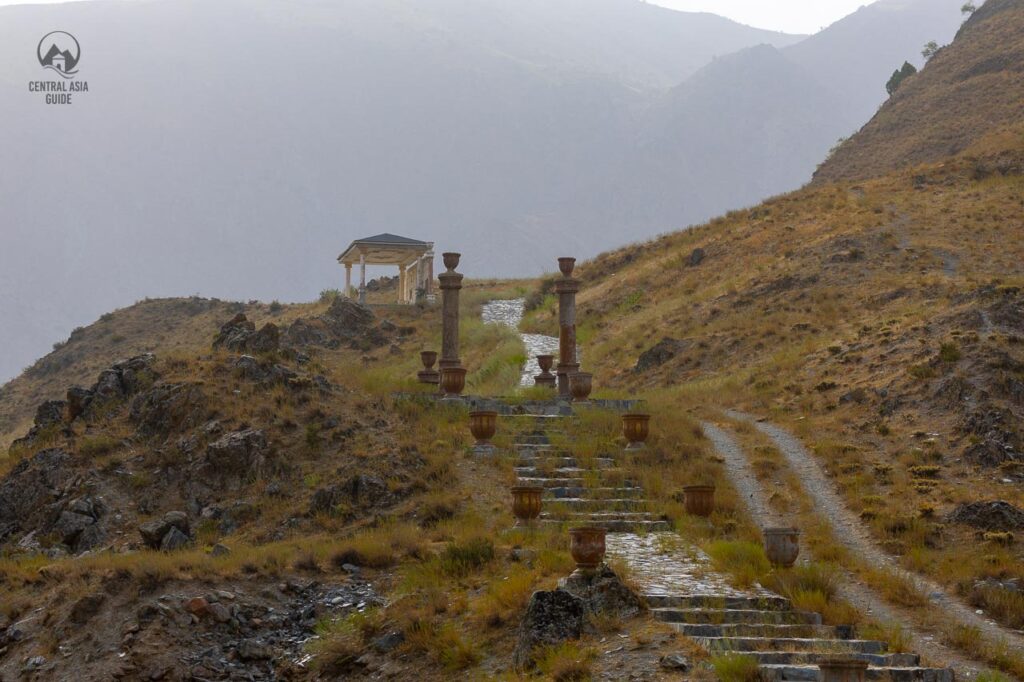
(966, 92)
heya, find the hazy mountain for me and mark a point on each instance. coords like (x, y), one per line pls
(233, 148)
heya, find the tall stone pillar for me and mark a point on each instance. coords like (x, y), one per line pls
(566, 289)
(348, 279)
(362, 279)
(451, 283)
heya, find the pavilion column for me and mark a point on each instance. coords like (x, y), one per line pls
(428, 283)
(362, 278)
(401, 284)
(451, 283)
(566, 289)
(348, 280)
(419, 280)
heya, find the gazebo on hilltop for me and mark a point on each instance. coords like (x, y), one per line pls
(415, 261)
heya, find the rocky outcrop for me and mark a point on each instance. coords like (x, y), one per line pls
(551, 618)
(344, 323)
(360, 492)
(239, 334)
(28, 493)
(992, 516)
(660, 353)
(167, 408)
(236, 458)
(603, 592)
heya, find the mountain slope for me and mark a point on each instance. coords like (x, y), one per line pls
(965, 94)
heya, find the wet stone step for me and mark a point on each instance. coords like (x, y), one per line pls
(615, 525)
(763, 630)
(712, 601)
(593, 493)
(535, 472)
(717, 616)
(583, 503)
(811, 657)
(792, 644)
(580, 517)
(810, 673)
(566, 461)
(551, 482)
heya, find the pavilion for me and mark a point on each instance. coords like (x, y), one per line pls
(415, 261)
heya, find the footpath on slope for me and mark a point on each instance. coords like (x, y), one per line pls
(852, 533)
(852, 590)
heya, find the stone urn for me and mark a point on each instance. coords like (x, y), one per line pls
(636, 427)
(580, 385)
(453, 381)
(841, 668)
(586, 544)
(526, 504)
(782, 545)
(451, 260)
(429, 375)
(699, 499)
(545, 378)
(483, 424)
(567, 265)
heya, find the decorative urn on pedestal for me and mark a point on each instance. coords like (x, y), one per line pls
(699, 499)
(526, 504)
(545, 378)
(580, 385)
(453, 381)
(483, 424)
(429, 375)
(587, 547)
(782, 545)
(636, 428)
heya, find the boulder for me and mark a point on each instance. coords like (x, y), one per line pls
(237, 457)
(992, 516)
(155, 532)
(360, 491)
(697, 257)
(660, 353)
(28, 492)
(266, 340)
(50, 412)
(78, 400)
(551, 618)
(174, 539)
(603, 592)
(235, 333)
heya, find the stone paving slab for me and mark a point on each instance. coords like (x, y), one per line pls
(663, 564)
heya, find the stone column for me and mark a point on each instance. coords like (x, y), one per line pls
(451, 283)
(566, 289)
(362, 278)
(428, 277)
(401, 284)
(348, 279)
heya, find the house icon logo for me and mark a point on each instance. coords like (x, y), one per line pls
(59, 51)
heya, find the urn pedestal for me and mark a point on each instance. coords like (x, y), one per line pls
(587, 546)
(636, 428)
(545, 378)
(526, 504)
(428, 375)
(483, 424)
(782, 546)
(699, 499)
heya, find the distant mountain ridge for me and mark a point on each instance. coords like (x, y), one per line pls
(258, 138)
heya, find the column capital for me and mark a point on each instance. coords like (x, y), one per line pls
(450, 280)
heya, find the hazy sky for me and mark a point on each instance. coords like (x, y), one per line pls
(792, 16)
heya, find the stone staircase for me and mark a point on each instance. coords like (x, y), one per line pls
(680, 589)
(577, 490)
(788, 644)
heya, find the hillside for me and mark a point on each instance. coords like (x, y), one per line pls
(880, 321)
(525, 122)
(965, 94)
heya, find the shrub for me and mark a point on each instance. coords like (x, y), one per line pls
(328, 295)
(949, 352)
(736, 668)
(1005, 606)
(276, 306)
(744, 561)
(463, 558)
(97, 446)
(898, 76)
(565, 662)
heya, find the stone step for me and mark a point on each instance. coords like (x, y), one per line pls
(762, 630)
(714, 601)
(559, 493)
(558, 472)
(792, 645)
(594, 504)
(566, 461)
(723, 616)
(810, 673)
(551, 482)
(814, 657)
(583, 516)
(617, 525)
